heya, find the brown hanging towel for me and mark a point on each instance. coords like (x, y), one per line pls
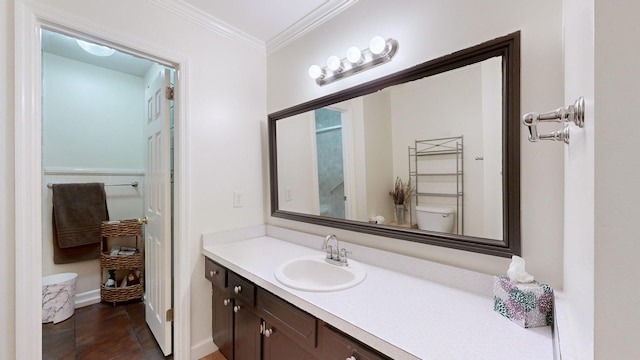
(78, 211)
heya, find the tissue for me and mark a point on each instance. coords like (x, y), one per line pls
(520, 299)
(517, 272)
(378, 219)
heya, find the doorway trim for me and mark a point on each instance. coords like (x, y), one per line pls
(29, 19)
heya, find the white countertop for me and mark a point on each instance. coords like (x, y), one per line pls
(400, 315)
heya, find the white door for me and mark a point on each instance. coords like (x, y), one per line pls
(158, 207)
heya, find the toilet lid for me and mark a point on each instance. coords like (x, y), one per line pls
(435, 209)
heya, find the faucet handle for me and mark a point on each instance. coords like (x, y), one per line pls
(343, 255)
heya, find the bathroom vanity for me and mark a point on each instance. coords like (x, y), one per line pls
(405, 308)
(249, 322)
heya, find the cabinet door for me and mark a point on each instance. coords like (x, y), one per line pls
(295, 323)
(247, 337)
(337, 346)
(222, 321)
(278, 346)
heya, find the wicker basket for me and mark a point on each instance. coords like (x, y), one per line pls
(126, 293)
(134, 261)
(121, 228)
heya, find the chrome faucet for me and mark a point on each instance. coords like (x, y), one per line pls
(335, 255)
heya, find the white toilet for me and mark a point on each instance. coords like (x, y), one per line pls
(432, 218)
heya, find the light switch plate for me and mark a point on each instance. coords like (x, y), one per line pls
(238, 199)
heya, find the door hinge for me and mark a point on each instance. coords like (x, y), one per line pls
(169, 315)
(168, 93)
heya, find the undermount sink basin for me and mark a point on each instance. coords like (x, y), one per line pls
(312, 273)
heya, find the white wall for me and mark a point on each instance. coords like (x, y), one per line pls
(427, 30)
(7, 215)
(225, 89)
(617, 175)
(430, 109)
(92, 116)
(601, 239)
(377, 175)
(579, 182)
(492, 146)
(297, 187)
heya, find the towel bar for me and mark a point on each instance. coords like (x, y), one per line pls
(133, 183)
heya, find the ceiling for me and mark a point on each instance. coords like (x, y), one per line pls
(259, 23)
(65, 46)
(261, 19)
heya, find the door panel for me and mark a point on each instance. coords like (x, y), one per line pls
(157, 201)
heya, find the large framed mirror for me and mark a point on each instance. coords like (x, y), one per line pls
(448, 129)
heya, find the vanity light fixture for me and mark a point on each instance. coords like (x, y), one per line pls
(379, 52)
(95, 49)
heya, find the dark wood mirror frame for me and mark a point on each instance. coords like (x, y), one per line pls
(507, 47)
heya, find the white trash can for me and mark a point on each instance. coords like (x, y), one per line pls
(58, 297)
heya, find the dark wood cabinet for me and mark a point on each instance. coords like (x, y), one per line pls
(250, 323)
(278, 346)
(246, 334)
(222, 321)
(215, 273)
(235, 326)
(335, 345)
(296, 324)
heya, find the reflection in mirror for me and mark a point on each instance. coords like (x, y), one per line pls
(448, 128)
(409, 131)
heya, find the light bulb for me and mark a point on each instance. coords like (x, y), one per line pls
(94, 49)
(378, 45)
(315, 72)
(334, 63)
(354, 55)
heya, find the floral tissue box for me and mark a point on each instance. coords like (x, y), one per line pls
(528, 305)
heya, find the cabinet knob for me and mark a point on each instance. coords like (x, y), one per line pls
(226, 302)
(236, 308)
(268, 332)
(237, 289)
(351, 358)
(213, 272)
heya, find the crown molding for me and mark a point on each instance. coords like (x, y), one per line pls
(201, 18)
(317, 17)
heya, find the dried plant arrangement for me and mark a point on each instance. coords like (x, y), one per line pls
(401, 192)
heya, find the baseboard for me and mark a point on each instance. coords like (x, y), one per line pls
(203, 348)
(87, 298)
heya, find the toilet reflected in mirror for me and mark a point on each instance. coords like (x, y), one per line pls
(432, 218)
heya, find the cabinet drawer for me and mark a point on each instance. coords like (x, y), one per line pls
(335, 345)
(297, 324)
(242, 289)
(215, 273)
